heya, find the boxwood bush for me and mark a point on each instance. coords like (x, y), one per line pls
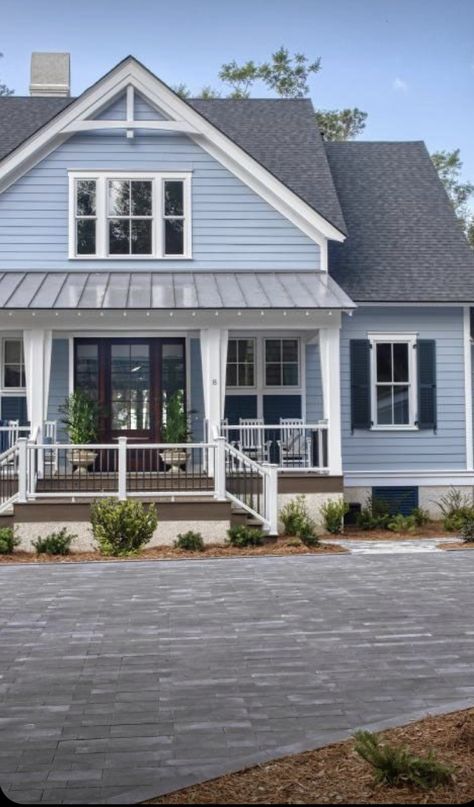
(297, 521)
(190, 541)
(8, 540)
(122, 528)
(56, 543)
(241, 535)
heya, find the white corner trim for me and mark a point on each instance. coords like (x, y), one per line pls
(219, 145)
(468, 388)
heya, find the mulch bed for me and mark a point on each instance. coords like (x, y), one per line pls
(432, 530)
(455, 547)
(277, 548)
(336, 774)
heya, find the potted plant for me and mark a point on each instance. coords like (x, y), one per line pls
(81, 419)
(174, 429)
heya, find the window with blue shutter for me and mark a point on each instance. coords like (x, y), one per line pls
(360, 384)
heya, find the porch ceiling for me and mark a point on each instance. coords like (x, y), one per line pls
(179, 290)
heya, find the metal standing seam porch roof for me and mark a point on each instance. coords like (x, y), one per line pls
(164, 290)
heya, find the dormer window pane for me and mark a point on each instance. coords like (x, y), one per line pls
(85, 237)
(86, 216)
(174, 199)
(119, 198)
(141, 199)
(174, 235)
(131, 217)
(86, 202)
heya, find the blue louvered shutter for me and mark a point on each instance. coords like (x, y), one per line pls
(360, 384)
(426, 360)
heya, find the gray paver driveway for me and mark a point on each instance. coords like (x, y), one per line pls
(122, 680)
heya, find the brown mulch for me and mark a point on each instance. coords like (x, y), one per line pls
(276, 549)
(335, 774)
(434, 529)
(455, 547)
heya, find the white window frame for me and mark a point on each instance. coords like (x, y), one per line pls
(255, 341)
(11, 390)
(102, 218)
(409, 339)
(259, 389)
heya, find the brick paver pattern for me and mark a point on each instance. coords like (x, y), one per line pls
(126, 679)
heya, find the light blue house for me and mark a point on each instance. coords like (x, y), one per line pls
(306, 303)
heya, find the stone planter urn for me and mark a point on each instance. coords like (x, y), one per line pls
(175, 458)
(81, 459)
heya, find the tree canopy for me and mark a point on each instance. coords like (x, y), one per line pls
(4, 90)
(449, 167)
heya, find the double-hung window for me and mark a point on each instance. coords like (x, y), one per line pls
(281, 362)
(13, 364)
(118, 215)
(393, 381)
(241, 363)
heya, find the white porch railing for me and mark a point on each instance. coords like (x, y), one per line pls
(292, 445)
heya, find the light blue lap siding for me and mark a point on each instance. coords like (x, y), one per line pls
(232, 227)
(399, 450)
(59, 382)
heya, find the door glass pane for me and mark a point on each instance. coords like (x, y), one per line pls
(400, 362)
(400, 405)
(87, 369)
(172, 376)
(130, 386)
(384, 406)
(384, 362)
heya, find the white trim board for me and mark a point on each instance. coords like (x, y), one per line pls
(220, 146)
(428, 478)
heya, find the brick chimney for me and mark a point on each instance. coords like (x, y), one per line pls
(50, 74)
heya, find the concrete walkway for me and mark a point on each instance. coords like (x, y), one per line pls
(398, 547)
(120, 681)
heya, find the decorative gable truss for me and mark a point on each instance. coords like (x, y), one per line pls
(98, 109)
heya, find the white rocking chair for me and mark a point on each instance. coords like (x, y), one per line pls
(252, 439)
(294, 446)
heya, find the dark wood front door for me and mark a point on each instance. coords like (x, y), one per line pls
(131, 379)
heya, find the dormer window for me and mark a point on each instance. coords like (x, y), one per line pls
(117, 215)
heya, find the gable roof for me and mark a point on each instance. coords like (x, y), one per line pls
(21, 116)
(404, 242)
(222, 136)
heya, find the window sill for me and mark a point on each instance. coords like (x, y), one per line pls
(394, 429)
(130, 257)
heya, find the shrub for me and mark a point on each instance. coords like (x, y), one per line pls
(374, 515)
(122, 528)
(190, 541)
(421, 516)
(455, 506)
(333, 513)
(400, 523)
(56, 543)
(397, 765)
(294, 542)
(297, 521)
(240, 535)
(467, 528)
(8, 540)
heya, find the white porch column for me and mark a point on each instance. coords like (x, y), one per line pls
(37, 344)
(214, 360)
(329, 347)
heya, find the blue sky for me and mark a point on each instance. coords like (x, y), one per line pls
(408, 63)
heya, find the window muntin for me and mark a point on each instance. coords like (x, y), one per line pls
(393, 383)
(241, 363)
(281, 362)
(86, 216)
(13, 364)
(139, 216)
(130, 217)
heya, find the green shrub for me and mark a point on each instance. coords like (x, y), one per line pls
(297, 521)
(455, 506)
(401, 523)
(122, 528)
(333, 513)
(190, 541)
(8, 540)
(240, 535)
(294, 542)
(420, 516)
(397, 765)
(56, 543)
(467, 528)
(375, 515)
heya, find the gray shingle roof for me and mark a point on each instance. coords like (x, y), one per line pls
(280, 133)
(404, 243)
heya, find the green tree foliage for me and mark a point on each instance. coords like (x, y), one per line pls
(449, 167)
(341, 124)
(4, 90)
